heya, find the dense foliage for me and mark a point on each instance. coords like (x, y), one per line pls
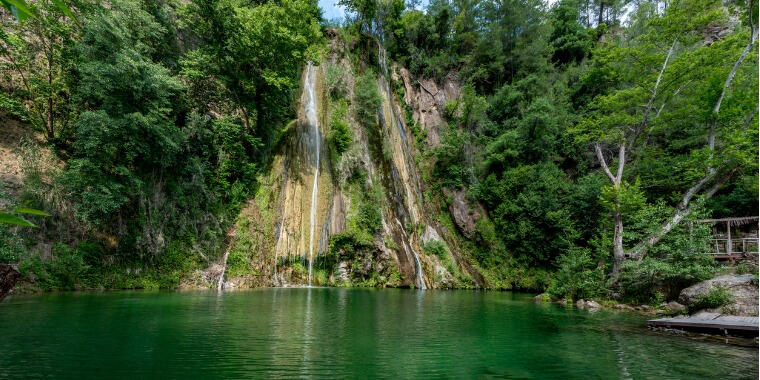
(594, 134)
(162, 112)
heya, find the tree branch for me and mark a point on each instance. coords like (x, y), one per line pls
(650, 104)
(675, 93)
(621, 163)
(731, 75)
(642, 248)
(600, 156)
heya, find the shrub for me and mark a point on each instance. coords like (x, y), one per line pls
(367, 99)
(340, 135)
(67, 268)
(346, 245)
(335, 83)
(714, 299)
(369, 218)
(578, 277)
(434, 247)
(11, 245)
(642, 280)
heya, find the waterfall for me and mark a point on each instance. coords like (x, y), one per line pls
(417, 264)
(406, 158)
(313, 121)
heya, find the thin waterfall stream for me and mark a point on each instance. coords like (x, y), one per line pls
(417, 264)
(385, 87)
(313, 121)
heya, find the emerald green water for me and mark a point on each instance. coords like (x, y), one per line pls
(342, 333)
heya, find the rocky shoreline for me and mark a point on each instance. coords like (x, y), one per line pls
(740, 292)
(728, 295)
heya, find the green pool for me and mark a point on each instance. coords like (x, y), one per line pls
(343, 333)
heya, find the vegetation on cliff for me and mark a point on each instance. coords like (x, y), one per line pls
(583, 136)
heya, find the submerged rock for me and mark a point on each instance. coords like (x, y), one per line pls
(743, 289)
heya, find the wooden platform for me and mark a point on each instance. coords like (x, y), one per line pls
(715, 322)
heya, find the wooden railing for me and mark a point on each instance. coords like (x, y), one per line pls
(735, 247)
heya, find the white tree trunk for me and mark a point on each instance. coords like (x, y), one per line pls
(683, 209)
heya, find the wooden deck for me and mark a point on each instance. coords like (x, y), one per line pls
(724, 324)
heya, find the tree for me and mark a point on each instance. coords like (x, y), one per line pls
(570, 40)
(126, 128)
(251, 55)
(38, 62)
(621, 119)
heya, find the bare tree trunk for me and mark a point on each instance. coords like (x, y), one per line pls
(246, 119)
(617, 242)
(49, 123)
(617, 216)
(683, 209)
(642, 248)
(650, 104)
(726, 85)
(734, 69)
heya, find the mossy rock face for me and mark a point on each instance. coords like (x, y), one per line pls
(368, 188)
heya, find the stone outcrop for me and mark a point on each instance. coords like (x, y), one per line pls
(675, 306)
(465, 215)
(428, 102)
(583, 304)
(309, 195)
(8, 278)
(743, 289)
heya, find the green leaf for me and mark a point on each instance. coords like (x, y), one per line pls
(65, 9)
(30, 211)
(19, 9)
(6, 218)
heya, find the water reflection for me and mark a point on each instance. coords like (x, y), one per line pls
(329, 333)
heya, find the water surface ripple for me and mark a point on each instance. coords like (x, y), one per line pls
(342, 333)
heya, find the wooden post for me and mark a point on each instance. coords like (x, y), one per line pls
(728, 243)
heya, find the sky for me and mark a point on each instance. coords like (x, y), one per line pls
(331, 9)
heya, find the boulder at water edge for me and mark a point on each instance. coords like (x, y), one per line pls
(743, 289)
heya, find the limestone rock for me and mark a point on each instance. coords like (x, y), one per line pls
(743, 289)
(645, 308)
(463, 213)
(583, 304)
(430, 234)
(342, 272)
(442, 275)
(622, 306)
(593, 305)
